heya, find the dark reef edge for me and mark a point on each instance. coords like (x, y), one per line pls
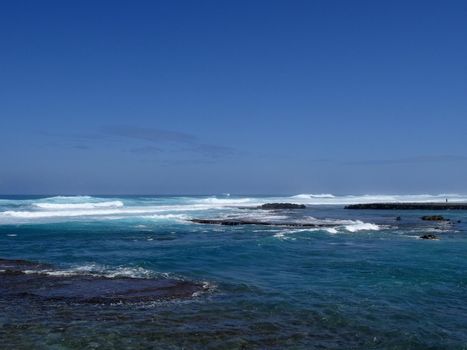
(21, 279)
(237, 222)
(409, 206)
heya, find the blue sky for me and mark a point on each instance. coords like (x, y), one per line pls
(201, 97)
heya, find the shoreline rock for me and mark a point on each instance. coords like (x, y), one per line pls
(409, 206)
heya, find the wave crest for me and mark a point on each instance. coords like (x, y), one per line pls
(361, 226)
(308, 196)
(86, 205)
(330, 199)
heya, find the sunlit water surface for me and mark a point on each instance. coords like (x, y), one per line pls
(369, 282)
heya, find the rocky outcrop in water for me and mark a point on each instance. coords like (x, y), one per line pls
(282, 206)
(22, 279)
(409, 206)
(429, 236)
(433, 218)
(236, 222)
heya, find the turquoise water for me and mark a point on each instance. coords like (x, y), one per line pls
(367, 283)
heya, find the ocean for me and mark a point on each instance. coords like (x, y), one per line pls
(362, 280)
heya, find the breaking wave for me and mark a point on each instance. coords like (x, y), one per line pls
(228, 201)
(342, 226)
(69, 213)
(58, 206)
(308, 196)
(361, 226)
(329, 199)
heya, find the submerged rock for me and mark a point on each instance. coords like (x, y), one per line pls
(434, 218)
(21, 265)
(429, 236)
(20, 278)
(282, 206)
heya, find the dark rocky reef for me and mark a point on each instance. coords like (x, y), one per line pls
(282, 206)
(22, 279)
(22, 265)
(429, 236)
(236, 222)
(433, 218)
(409, 206)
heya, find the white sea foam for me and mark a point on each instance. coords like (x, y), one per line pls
(207, 287)
(257, 215)
(68, 199)
(227, 201)
(62, 208)
(285, 234)
(176, 217)
(341, 226)
(101, 271)
(98, 212)
(308, 196)
(331, 230)
(69, 213)
(329, 199)
(361, 226)
(88, 205)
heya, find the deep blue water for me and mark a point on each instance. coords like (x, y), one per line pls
(368, 283)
